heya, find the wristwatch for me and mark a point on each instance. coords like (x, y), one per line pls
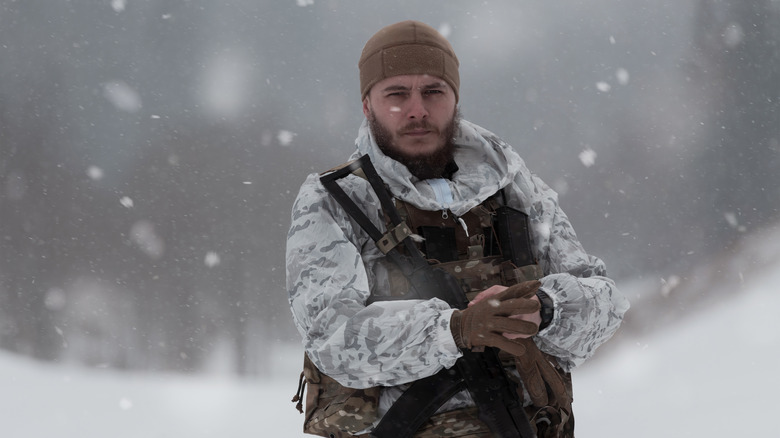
(547, 310)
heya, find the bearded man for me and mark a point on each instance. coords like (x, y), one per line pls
(453, 182)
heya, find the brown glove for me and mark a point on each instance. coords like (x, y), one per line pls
(484, 323)
(538, 374)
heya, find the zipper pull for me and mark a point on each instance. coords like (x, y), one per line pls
(465, 227)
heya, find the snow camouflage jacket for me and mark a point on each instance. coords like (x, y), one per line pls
(333, 266)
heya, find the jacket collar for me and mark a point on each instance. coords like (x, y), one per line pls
(485, 164)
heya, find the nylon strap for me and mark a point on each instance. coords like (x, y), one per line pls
(393, 238)
(363, 163)
(418, 403)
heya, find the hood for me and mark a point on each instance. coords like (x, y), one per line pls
(486, 164)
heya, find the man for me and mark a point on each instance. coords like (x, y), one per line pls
(450, 179)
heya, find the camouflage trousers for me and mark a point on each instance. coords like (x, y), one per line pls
(461, 423)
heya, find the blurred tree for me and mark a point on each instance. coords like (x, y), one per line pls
(737, 70)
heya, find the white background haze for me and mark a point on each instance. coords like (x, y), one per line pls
(710, 374)
(150, 152)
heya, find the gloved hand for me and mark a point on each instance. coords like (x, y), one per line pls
(538, 374)
(484, 323)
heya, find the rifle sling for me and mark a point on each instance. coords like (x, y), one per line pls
(417, 260)
(418, 403)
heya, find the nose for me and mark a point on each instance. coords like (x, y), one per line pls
(416, 107)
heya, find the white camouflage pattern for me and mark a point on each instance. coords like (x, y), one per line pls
(333, 266)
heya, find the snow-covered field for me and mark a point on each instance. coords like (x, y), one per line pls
(712, 375)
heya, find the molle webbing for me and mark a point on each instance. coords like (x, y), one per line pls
(474, 253)
(420, 221)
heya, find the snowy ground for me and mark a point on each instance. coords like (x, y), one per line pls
(712, 375)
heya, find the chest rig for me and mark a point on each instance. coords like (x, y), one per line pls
(441, 253)
(489, 245)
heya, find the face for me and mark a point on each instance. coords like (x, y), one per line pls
(413, 119)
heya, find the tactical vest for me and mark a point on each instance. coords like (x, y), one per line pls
(478, 248)
(489, 245)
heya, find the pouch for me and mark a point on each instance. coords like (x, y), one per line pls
(333, 410)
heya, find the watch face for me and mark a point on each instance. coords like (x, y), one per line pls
(547, 310)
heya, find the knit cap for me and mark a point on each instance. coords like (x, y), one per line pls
(407, 48)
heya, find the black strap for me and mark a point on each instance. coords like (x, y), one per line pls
(418, 403)
(413, 266)
(364, 163)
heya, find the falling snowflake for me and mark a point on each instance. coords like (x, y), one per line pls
(118, 5)
(95, 173)
(212, 259)
(285, 137)
(588, 157)
(667, 286)
(445, 30)
(733, 221)
(604, 87)
(55, 299)
(126, 201)
(144, 235)
(122, 96)
(733, 35)
(622, 76)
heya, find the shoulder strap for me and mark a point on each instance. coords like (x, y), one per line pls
(412, 265)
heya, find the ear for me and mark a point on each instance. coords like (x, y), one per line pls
(366, 107)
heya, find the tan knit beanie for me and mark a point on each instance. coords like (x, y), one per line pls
(407, 48)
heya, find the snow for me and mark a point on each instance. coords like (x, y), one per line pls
(212, 259)
(711, 374)
(59, 401)
(588, 157)
(118, 5)
(122, 96)
(144, 235)
(126, 201)
(285, 137)
(622, 76)
(734, 35)
(95, 173)
(445, 30)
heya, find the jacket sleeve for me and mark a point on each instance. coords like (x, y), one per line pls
(588, 307)
(386, 343)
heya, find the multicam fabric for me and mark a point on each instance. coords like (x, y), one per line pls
(333, 410)
(333, 266)
(462, 423)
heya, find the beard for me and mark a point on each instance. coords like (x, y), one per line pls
(425, 166)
